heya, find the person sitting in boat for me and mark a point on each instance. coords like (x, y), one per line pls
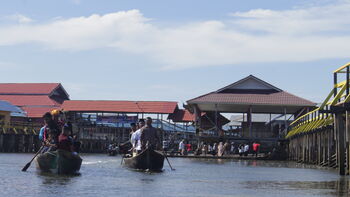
(65, 142)
(47, 117)
(76, 143)
(51, 128)
(49, 143)
(149, 136)
(58, 117)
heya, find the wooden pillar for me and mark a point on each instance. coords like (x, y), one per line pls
(31, 143)
(216, 119)
(324, 147)
(340, 131)
(197, 119)
(329, 152)
(249, 121)
(304, 144)
(1, 142)
(348, 140)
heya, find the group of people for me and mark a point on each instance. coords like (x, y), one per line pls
(57, 134)
(221, 148)
(244, 149)
(184, 147)
(143, 135)
(218, 149)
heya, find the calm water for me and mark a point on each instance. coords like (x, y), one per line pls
(103, 176)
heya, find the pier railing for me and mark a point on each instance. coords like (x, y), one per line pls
(322, 136)
(19, 127)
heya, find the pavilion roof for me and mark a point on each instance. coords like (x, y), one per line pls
(252, 92)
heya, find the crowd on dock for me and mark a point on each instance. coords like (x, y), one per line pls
(219, 149)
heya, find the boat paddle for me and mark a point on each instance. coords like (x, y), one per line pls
(28, 164)
(167, 160)
(121, 162)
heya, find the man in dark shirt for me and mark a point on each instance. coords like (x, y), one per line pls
(149, 134)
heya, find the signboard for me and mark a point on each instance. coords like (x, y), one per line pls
(116, 119)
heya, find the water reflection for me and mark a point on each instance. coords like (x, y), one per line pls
(54, 179)
(335, 188)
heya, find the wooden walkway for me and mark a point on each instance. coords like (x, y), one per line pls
(249, 157)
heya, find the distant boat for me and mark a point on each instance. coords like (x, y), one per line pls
(59, 162)
(148, 159)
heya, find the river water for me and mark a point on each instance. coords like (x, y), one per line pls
(102, 175)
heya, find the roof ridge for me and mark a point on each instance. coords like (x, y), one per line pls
(250, 77)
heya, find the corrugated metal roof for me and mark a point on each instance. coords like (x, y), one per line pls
(34, 98)
(29, 100)
(182, 115)
(161, 107)
(6, 106)
(37, 112)
(27, 88)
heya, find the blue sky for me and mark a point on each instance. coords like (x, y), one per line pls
(173, 50)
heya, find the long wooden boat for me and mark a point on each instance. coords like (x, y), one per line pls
(148, 159)
(58, 162)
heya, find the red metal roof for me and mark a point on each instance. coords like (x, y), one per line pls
(37, 112)
(29, 100)
(181, 115)
(27, 88)
(160, 107)
(278, 98)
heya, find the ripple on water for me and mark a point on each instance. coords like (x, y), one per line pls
(103, 176)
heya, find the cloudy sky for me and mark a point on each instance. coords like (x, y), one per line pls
(173, 50)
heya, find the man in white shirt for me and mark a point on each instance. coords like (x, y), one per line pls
(136, 137)
(132, 136)
(246, 149)
(182, 147)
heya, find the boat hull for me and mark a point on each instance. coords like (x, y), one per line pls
(58, 162)
(147, 160)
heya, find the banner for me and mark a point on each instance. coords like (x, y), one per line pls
(116, 119)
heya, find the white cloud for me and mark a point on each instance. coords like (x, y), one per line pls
(20, 18)
(261, 35)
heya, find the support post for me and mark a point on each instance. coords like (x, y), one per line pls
(348, 140)
(340, 132)
(249, 120)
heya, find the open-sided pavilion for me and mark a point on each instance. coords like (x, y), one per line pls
(247, 96)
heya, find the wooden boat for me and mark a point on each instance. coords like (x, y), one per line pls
(148, 159)
(58, 162)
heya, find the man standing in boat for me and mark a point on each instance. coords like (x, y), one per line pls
(136, 137)
(149, 135)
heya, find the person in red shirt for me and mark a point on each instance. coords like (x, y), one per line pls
(188, 147)
(256, 147)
